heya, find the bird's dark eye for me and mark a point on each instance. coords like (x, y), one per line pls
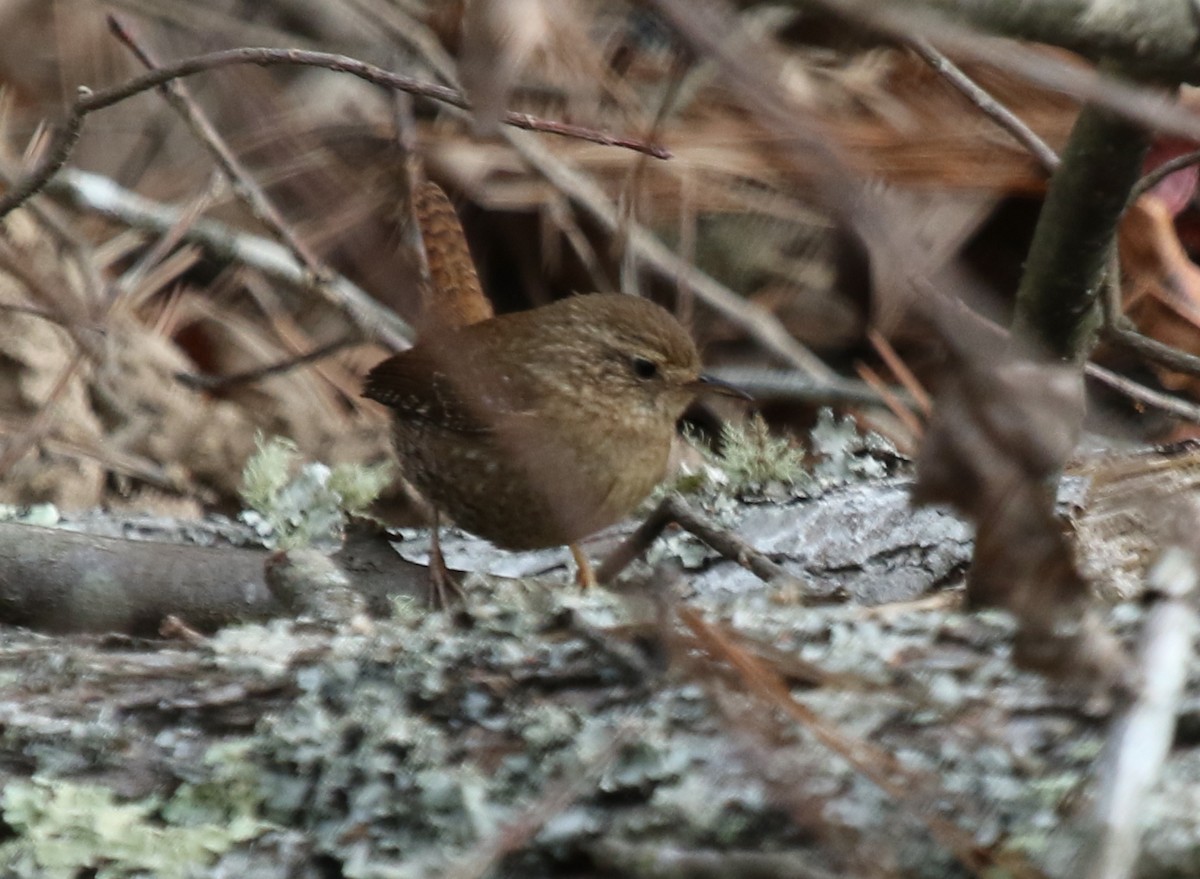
(644, 368)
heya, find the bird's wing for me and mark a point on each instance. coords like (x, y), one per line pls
(450, 385)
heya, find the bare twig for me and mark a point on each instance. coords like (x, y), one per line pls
(101, 195)
(557, 210)
(1067, 261)
(174, 628)
(903, 414)
(672, 510)
(179, 97)
(882, 768)
(992, 108)
(1141, 735)
(796, 386)
(296, 341)
(1142, 394)
(900, 370)
(223, 382)
(761, 325)
(135, 278)
(81, 250)
(88, 101)
(1152, 349)
(633, 180)
(414, 176)
(1110, 298)
(1118, 330)
(1161, 173)
(1140, 104)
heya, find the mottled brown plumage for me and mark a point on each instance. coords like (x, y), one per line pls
(539, 428)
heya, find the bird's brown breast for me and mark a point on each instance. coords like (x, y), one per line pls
(528, 483)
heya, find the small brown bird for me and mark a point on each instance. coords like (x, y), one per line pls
(538, 428)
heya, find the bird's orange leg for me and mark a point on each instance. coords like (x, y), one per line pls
(443, 588)
(585, 577)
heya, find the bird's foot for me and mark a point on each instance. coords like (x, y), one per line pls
(585, 576)
(444, 588)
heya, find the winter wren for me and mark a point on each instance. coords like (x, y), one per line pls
(538, 428)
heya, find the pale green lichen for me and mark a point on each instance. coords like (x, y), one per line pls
(754, 459)
(43, 515)
(65, 829)
(293, 504)
(357, 485)
(756, 463)
(844, 454)
(375, 739)
(401, 753)
(267, 471)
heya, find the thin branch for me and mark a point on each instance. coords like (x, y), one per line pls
(223, 382)
(1152, 349)
(1067, 261)
(1152, 39)
(759, 323)
(1161, 173)
(101, 195)
(906, 19)
(909, 788)
(135, 277)
(991, 108)
(900, 370)
(799, 387)
(411, 233)
(674, 510)
(1142, 394)
(907, 418)
(557, 210)
(80, 249)
(244, 186)
(1142, 733)
(1118, 330)
(633, 180)
(88, 101)
(707, 28)
(1110, 298)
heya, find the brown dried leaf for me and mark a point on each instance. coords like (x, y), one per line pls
(44, 404)
(1162, 287)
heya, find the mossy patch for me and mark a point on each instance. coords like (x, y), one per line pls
(64, 828)
(292, 503)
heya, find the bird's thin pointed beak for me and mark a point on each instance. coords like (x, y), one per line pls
(706, 384)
